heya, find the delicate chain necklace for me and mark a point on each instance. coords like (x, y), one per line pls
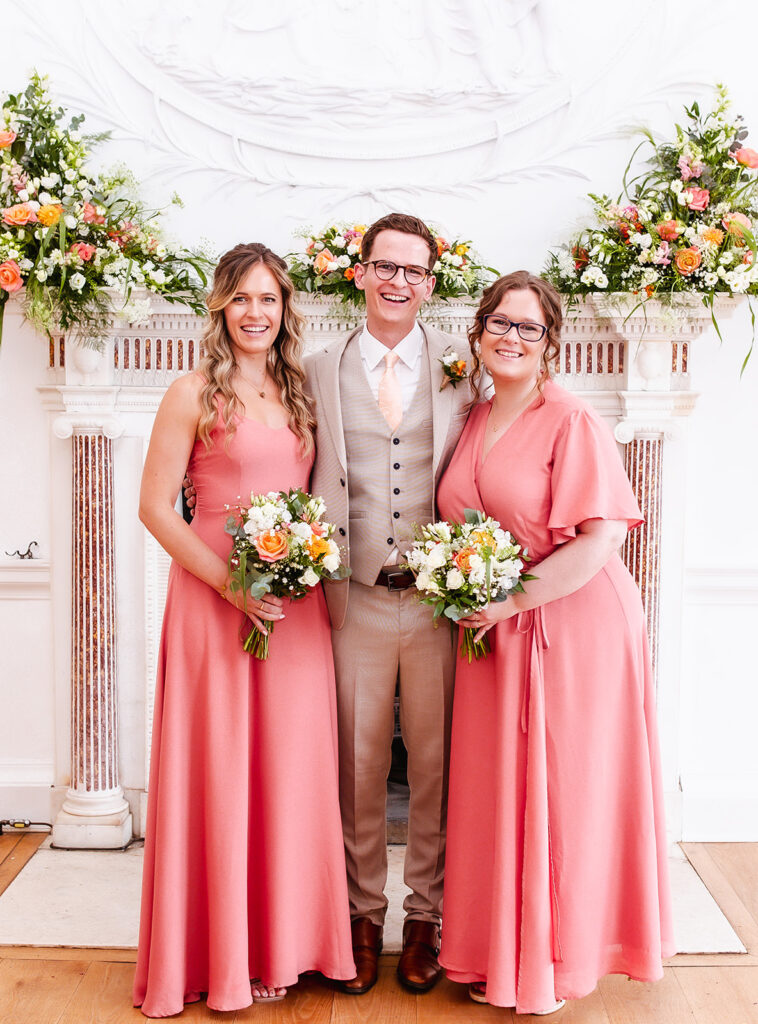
(261, 390)
(519, 409)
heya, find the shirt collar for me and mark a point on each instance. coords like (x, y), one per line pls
(409, 349)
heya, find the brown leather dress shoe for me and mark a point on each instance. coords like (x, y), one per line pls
(367, 945)
(418, 968)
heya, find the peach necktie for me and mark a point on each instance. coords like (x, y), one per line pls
(390, 393)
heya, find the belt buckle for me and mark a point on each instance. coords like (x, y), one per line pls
(399, 572)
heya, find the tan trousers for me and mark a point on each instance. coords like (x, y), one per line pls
(385, 633)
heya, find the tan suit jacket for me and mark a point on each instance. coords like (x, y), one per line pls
(329, 480)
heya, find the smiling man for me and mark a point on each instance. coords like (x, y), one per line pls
(386, 430)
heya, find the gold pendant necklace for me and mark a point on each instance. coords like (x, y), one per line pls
(260, 391)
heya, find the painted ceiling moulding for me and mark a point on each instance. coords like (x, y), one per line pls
(467, 96)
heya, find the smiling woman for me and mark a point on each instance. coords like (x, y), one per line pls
(252, 740)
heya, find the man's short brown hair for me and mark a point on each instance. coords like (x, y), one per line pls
(399, 222)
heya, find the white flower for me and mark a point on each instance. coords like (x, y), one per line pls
(69, 174)
(70, 222)
(77, 281)
(309, 578)
(332, 265)
(676, 186)
(68, 190)
(49, 180)
(454, 579)
(302, 531)
(456, 260)
(643, 241)
(450, 357)
(710, 279)
(331, 562)
(158, 277)
(353, 249)
(344, 261)
(339, 241)
(41, 275)
(476, 564)
(594, 275)
(683, 198)
(45, 198)
(426, 582)
(436, 557)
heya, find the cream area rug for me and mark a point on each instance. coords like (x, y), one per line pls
(81, 898)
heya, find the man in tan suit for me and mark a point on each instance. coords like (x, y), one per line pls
(386, 430)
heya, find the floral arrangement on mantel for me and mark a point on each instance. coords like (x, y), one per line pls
(327, 267)
(682, 227)
(67, 234)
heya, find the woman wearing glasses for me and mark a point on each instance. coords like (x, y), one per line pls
(556, 855)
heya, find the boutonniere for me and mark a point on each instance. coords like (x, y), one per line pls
(453, 368)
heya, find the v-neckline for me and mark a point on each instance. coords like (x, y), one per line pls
(481, 457)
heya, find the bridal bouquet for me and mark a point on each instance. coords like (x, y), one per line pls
(281, 547)
(462, 567)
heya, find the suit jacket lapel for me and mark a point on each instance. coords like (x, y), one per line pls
(442, 401)
(328, 373)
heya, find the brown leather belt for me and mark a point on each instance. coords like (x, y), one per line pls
(395, 579)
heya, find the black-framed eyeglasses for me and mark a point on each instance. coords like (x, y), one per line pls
(385, 270)
(496, 323)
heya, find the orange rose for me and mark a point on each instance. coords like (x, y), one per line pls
(317, 547)
(687, 260)
(463, 557)
(441, 245)
(322, 261)
(715, 235)
(746, 157)
(7, 139)
(50, 214)
(272, 546)
(10, 276)
(349, 274)
(18, 216)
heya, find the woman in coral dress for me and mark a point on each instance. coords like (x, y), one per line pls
(556, 852)
(244, 879)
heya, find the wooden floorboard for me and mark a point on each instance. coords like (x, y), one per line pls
(67, 985)
(21, 853)
(38, 991)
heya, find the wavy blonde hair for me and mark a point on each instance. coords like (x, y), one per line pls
(219, 366)
(550, 304)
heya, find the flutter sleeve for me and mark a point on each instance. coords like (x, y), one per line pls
(588, 479)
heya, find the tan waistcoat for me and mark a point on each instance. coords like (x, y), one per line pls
(389, 475)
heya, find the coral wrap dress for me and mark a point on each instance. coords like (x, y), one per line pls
(244, 872)
(556, 869)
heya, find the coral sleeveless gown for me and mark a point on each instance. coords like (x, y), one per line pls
(244, 872)
(556, 870)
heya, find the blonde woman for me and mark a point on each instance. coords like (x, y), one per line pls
(244, 881)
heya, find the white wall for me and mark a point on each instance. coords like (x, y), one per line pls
(491, 119)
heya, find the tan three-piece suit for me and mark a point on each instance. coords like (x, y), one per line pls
(377, 484)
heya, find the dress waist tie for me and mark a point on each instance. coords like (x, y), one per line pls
(540, 937)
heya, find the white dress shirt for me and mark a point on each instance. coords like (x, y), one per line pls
(407, 367)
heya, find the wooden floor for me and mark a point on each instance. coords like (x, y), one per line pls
(88, 986)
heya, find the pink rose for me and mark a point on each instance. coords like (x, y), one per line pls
(735, 222)
(699, 198)
(746, 157)
(91, 216)
(7, 139)
(668, 230)
(10, 276)
(84, 251)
